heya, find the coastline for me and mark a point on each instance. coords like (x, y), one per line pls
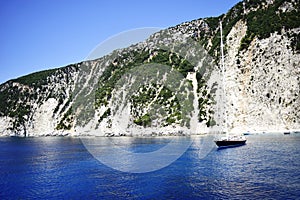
(146, 135)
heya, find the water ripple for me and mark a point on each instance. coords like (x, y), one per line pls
(60, 168)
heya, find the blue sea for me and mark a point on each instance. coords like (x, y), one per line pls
(267, 167)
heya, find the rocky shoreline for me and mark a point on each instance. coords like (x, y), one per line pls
(153, 134)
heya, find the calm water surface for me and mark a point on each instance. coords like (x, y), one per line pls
(61, 168)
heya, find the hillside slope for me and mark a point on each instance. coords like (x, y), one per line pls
(170, 83)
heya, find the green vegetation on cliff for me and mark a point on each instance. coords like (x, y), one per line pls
(262, 22)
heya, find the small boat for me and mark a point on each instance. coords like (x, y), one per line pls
(234, 140)
(231, 141)
(286, 133)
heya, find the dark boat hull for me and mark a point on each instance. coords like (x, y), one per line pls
(227, 143)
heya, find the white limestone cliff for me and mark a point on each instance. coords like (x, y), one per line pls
(263, 86)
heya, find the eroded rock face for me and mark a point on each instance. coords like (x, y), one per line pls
(33, 105)
(262, 82)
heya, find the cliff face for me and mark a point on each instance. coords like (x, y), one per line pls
(34, 104)
(170, 83)
(263, 82)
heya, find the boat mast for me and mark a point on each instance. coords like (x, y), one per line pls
(223, 80)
